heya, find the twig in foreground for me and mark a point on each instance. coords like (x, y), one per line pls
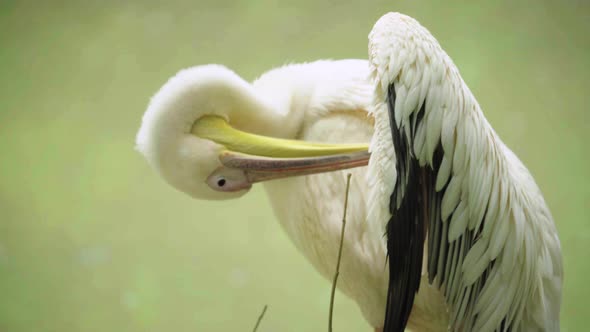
(260, 318)
(339, 253)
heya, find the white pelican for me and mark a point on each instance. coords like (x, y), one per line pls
(471, 243)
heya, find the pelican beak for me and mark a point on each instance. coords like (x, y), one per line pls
(262, 158)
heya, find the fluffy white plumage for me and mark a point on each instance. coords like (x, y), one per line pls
(487, 190)
(322, 101)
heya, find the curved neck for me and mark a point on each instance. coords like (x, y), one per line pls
(263, 114)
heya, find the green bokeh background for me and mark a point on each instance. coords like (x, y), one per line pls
(92, 240)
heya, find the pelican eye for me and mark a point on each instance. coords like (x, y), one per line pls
(228, 179)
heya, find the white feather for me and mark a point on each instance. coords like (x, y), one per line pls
(451, 197)
(458, 222)
(444, 172)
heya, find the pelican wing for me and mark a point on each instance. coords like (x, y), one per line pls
(449, 180)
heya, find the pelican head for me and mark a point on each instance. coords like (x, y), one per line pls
(211, 134)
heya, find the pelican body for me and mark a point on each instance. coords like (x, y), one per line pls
(321, 101)
(446, 228)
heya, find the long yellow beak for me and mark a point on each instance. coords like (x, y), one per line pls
(216, 129)
(261, 158)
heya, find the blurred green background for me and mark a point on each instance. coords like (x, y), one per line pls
(92, 240)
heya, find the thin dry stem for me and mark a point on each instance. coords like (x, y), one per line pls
(260, 318)
(339, 253)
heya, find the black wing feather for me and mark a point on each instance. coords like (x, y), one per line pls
(406, 230)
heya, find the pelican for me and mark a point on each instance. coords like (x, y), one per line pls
(470, 243)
